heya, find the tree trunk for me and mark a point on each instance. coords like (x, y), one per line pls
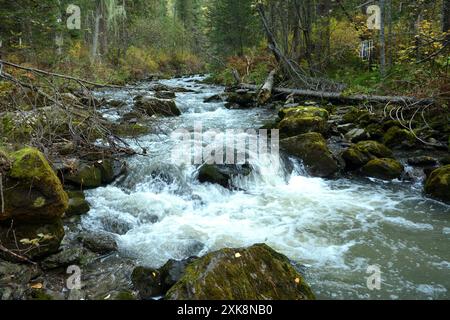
(339, 97)
(382, 41)
(95, 37)
(446, 19)
(265, 93)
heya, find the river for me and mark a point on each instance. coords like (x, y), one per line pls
(332, 229)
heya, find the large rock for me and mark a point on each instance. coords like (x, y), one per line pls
(154, 106)
(386, 169)
(86, 176)
(32, 192)
(254, 273)
(299, 120)
(222, 174)
(77, 204)
(242, 99)
(312, 149)
(399, 138)
(438, 184)
(359, 154)
(100, 242)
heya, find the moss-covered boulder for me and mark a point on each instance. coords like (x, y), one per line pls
(86, 176)
(359, 154)
(31, 240)
(437, 185)
(254, 273)
(299, 120)
(357, 116)
(241, 98)
(32, 191)
(396, 137)
(312, 149)
(384, 168)
(222, 174)
(77, 204)
(154, 106)
(147, 282)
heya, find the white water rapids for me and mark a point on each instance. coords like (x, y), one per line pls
(335, 228)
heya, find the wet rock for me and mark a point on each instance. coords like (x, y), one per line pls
(359, 154)
(399, 138)
(77, 204)
(357, 116)
(437, 184)
(344, 128)
(299, 120)
(357, 135)
(422, 161)
(242, 98)
(385, 169)
(312, 149)
(86, 176)
(67, 257)
(216, 98)
(33, 240)
(111, 169)
(147, 282)
(254, 273)
(165, 95)
(100, 242)
(172, 272)
(32, 192)
(14, 279)
(222, 174)
(154, 106)
(117, 103)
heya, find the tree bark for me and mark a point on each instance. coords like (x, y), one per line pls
(265, 93)
(382, 40)
(340, 97)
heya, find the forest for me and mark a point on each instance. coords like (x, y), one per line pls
(352, 95)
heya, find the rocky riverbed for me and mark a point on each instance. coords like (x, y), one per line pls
(355, 188)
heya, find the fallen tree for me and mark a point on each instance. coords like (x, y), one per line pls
(265, 93)
(341, 97)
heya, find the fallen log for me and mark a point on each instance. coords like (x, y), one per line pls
(266, 91)
(340, 97)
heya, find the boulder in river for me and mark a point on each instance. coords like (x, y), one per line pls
(154, 106)
(437, 185)
(359, 154)
(147, 282)
(165, 95)
(254, 273)
(77, 204)
(100, 242)
(241, 98)
(85, 175)
(385, 169)
(356, 135)
(299, 120)
(222, 174)
(312, 149)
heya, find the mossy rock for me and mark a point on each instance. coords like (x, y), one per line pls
(299, 120)
(254, 273)
(243, 99)
(356, 115)
(32, 191)
(154, 106)
(359, 154)
(437, 185)
(130, 130)
(34, 241)
(399, 138)
(222, 174)
(375, 131)
(77, 204)
(384, 168)
(312, 149)
(86, 176)
(147, 282)
(111, 169)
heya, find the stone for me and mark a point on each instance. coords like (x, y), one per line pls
(312, 149)
(100, 242)
(384, 168)
(222, 174)
(86, 176)
(254, 273)
(357, 135)
(437, 184)
(359, 154)
(77, 204)
(399, 138)
(154, 106)
(65, 258)
(147, 282)
(299, 120)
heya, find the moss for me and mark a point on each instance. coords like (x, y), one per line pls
(34, 191)
(130, 130)
(87, 176)
(255, 273)
(438, 184)
(359, 154)
(374, 148)
(355, 115)
(303, 111)
(312, 149)
(125, 295)
(386, 169)
(396, 137)
(40, 294)
(375, 131)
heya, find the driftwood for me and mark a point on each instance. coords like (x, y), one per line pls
(266, 91)
(340, 97)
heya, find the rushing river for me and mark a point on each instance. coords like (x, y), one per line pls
(336, 229)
